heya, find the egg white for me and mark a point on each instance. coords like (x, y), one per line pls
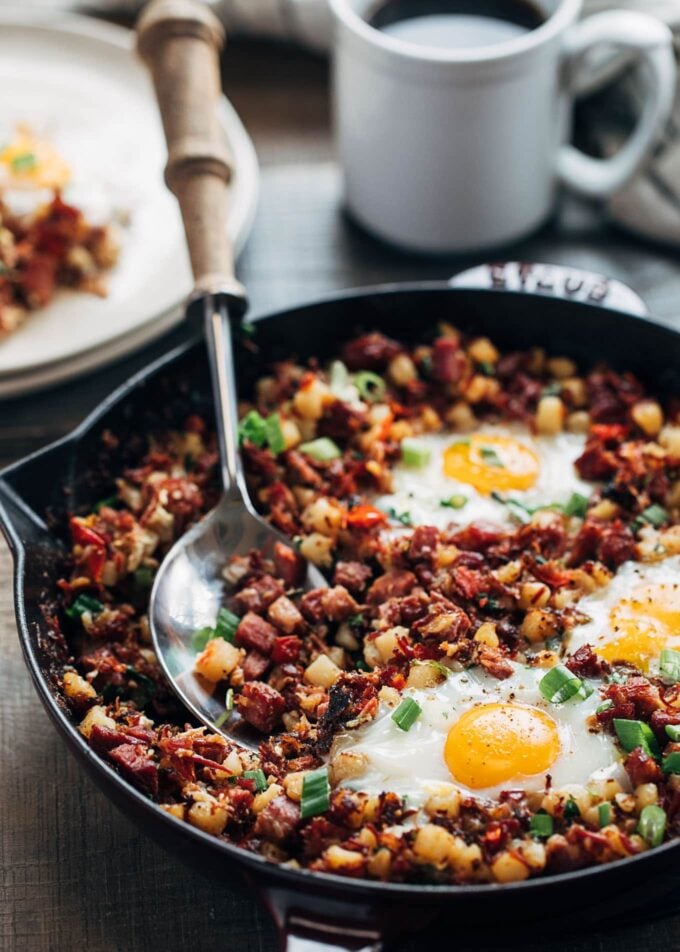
(598, 631)
(419, 491)
(411, 763)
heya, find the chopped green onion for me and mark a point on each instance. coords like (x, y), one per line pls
(259, 778)
(487, 368)
(617, 677)
(143, 577)
(407, 714)
(673, 731)
(274, 434)
(454, 502)
(671, 763)
(253, 428)
(82, 604)
(669, 665)
(656, 515)
(605, 706)
(200, 638)
(371, 387)
(323, 449)
(415, 453)
(403, 517)
(634, 734)
(577, 505)
(553, 389)
(491, 457)
(604, 814)
(316, 793)
(436, 666)
(354, 621)
(652, 825)
(517, 509)
(24, 162)
(541, 825)
(228, 708)
(560, 684)
(226, 624)
(111, 501)
(571, 810)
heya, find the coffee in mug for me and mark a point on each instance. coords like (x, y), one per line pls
(456, 24)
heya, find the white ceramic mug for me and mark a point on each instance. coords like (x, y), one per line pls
(447, 150)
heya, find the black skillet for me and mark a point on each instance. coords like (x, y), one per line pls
(518, 308)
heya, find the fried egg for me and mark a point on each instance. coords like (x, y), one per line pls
(34, 165)
(484, 736)
(635, 616)
(465, 472)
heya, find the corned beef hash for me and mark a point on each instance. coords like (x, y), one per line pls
(488, 689)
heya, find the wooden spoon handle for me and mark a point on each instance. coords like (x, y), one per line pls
(180, 41)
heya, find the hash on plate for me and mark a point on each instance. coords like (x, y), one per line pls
(489, 688)
(46, 242)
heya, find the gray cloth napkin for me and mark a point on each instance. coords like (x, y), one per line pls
(648, 206)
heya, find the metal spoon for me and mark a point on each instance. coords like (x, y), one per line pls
(180, 40)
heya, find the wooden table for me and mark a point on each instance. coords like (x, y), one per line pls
(76, 875)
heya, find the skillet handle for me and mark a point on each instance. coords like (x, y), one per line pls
(553, 280)
(180, 41)
(324, 922)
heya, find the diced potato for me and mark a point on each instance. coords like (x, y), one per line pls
(533, 595)
(77, 687)
(648, 415)
(317, 549)
(322, 672)
(510, 572)
(443, 798)
(262, 799)
(561, 367)
(308, 402)
(606, 510)
(324, 516)
(509, 868)
(380, 864)
(670, 439)
(539, 625)
(481, 388)
(486, 635)
(291, 434)
(208, 816)
(96, 716)
(387, 643)
(339, 858)
(423, 675)
(432, 845)
(549, 416)
(646, 794)
(482, 351)
(575, 388)
(461, 417)
(218, 660)
(578, 422)
(401, 370)
(174, 809)
(347, 765)
(292, 784)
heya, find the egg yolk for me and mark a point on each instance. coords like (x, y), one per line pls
(495, 743)
(644, 624)
(34, 163)
(492, 463)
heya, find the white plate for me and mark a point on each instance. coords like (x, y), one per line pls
(78, 81)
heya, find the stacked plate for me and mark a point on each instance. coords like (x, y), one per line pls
(79, 82)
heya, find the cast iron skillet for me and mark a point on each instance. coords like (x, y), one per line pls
(317, 910)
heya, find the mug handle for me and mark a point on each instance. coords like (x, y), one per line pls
(652, 40)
